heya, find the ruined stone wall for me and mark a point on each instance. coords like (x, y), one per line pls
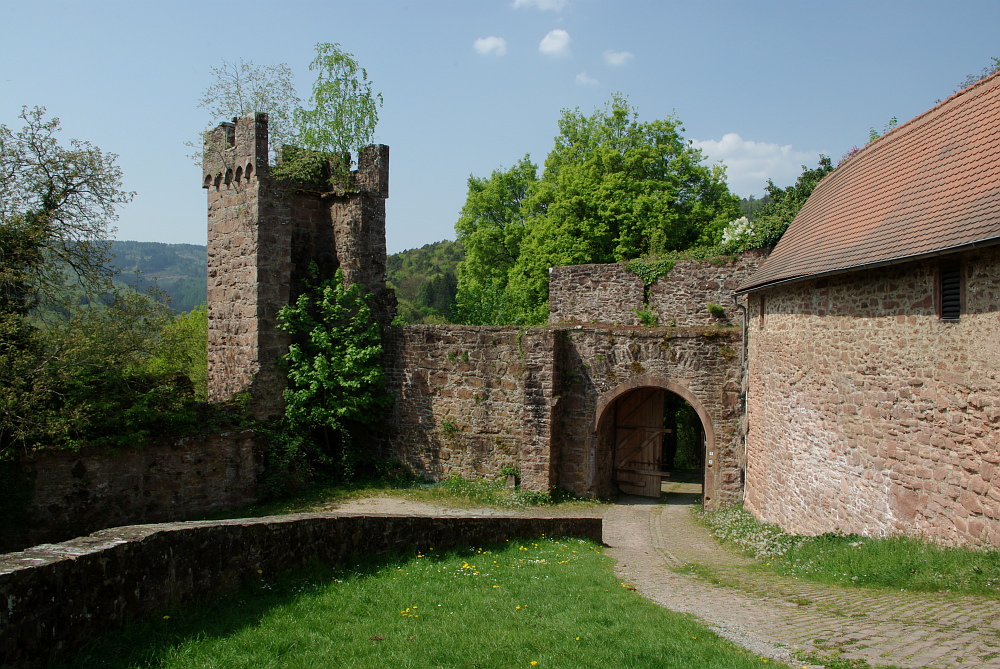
(599, 364)
(75, 493)
(263, 234)
(56, 598)
(611, 294)
(470, 400)
(869, 414)
(235, 168)
(607, 293)
(681, 297)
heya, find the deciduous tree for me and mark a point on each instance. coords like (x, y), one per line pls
(491, 228)
(613, 189)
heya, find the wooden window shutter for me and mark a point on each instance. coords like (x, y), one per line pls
(951, 292)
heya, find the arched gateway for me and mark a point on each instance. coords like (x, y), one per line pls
(650, 430)
(554, 403)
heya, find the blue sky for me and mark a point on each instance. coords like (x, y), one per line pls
(473, 85)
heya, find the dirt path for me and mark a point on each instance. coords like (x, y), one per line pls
(769, 615)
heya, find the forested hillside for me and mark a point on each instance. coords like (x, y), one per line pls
(425, 281)
(179, 270)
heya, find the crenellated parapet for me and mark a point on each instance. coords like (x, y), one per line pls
(234, 152)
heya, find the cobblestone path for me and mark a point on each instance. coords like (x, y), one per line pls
(773, 615)
(768, 614)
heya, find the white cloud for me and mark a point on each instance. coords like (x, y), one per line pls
(585, 79)
(617, 57)
(556, 43)
(491, 46)
(544, 5)
(750, 164)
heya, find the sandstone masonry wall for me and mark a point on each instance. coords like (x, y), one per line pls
(55, 598)
(607, 293)
(869, 414)
(470, 400)
(611, 294)
(77, 493)
(263, 234)
(681, 297)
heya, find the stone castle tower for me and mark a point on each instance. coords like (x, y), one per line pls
(263, 233)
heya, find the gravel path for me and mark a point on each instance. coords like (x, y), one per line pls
(768, 614)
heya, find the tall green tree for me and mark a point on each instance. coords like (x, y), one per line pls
(340, 118)
(613, 189)
(491, 228)
(63, 197)
(73, 349)
(344, 108)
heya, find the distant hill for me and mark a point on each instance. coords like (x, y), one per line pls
(179, 270)
(425, 279)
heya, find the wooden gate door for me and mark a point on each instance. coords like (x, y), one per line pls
(639, 442)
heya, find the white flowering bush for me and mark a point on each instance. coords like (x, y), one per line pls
(737, 231)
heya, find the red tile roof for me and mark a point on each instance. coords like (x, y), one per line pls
(929, 186)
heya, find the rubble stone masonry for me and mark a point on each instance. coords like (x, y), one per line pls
(611, 294)
(471, 400)
(263, 234)
(867, 413)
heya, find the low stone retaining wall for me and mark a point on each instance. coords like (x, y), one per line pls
(54, 598)
(68, 493)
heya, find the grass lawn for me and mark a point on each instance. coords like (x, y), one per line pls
(546, 603)
(899, 563)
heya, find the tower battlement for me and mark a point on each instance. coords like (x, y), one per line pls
(235, 150)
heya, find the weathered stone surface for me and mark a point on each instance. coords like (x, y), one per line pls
(54, 598)
(263, 234)
(869, 414)
(470, 400)
(76, 493)
(611, 294)
(607, 293)
(600, 364)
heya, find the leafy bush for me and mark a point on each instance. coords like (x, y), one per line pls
(716, 310)
(335, 384)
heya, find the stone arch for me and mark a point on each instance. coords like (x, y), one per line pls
(239, 174)
(602, 416)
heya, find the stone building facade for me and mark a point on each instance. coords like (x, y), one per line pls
(874, 339)
(870, 414)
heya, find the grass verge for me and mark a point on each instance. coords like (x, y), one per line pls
(544, 603)
(900, 563)
(452, 492)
